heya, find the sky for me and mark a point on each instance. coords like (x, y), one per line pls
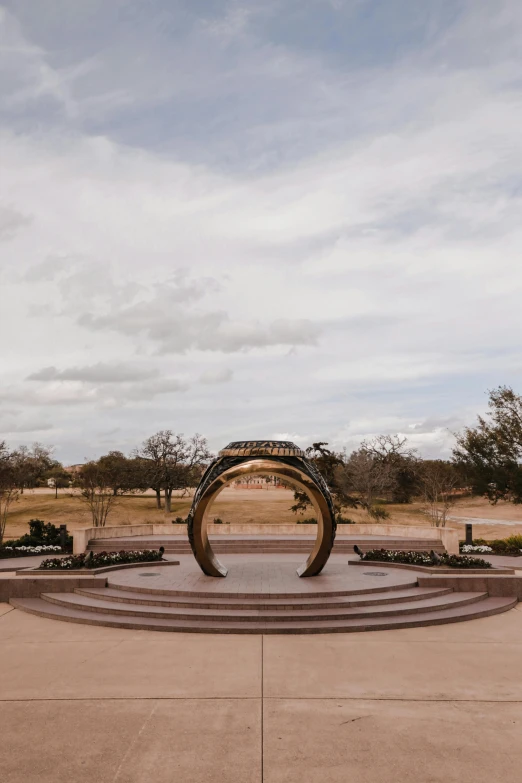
(295, 219)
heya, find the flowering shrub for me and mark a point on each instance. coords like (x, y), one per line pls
(23, 551)
(462, 561)
(99, 559)
(40, 534)
(469, 549)
(65, 563)
(390, 556)
(424, 559)
(511, 546)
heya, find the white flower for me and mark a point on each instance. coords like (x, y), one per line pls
(470, 548)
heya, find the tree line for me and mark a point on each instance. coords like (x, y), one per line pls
(165, 462)
(385, 470)
(486, 461)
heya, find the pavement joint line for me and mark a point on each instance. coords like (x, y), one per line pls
(262, 708)
(12, 640)
(135, 740)
(409, 642)
(394, 698)
(257, 698)
(31, 700)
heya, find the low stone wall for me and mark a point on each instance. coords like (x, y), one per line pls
(496, 585)
(32, 587)
(448, 536)
(100, 570)
(435, 570)
(82, 537)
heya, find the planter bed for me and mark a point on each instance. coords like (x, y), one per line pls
(435, 570)
(102, 559)
(94, 571)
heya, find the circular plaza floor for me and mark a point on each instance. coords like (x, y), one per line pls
(262, 576)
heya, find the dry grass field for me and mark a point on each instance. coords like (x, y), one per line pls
(240, 505)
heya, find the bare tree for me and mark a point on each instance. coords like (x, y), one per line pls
(8, 489)
(438, 482)
(388, 446)
(96, 493)
(174, 462)
(401, 462)
(367, 476)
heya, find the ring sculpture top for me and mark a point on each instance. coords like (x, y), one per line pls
(261, 457)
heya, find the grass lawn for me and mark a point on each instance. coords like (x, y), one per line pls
(238, 505)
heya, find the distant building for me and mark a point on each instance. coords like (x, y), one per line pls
(73, 469)
(259, 482)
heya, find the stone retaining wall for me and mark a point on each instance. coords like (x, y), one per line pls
(448, 536)
(33, 587)
(496, 585)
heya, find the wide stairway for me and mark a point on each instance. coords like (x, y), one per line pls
(371, 601)
(179, 545)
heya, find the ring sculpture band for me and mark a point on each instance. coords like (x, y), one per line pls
(265, 458)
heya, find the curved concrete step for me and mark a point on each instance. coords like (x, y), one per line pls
(267, 602)
(482, 608)
(164, 592)
(75, 601)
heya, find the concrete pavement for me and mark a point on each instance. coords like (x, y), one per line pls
(79, 702)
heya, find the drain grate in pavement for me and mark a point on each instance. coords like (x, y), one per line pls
(151, 574)
(375, 573)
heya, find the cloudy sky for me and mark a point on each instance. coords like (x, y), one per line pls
(269, 218)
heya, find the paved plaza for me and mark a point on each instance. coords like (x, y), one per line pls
(87, 703)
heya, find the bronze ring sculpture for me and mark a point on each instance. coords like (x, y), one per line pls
(260, 457)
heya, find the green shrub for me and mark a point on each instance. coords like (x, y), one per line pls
(345, 520)
(40, 534)
(515, 542)
(179, 521)
(378, 513)
(307, 521)
(217, 521)
(501, 546)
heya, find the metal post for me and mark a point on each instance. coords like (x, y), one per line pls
(63, 537)
(469, 534)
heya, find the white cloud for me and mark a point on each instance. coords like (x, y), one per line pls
(96, 373)
(343, 225)
(221, 375)
(167, 321)
(11, 221)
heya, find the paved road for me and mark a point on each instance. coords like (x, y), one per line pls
(486, 521)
